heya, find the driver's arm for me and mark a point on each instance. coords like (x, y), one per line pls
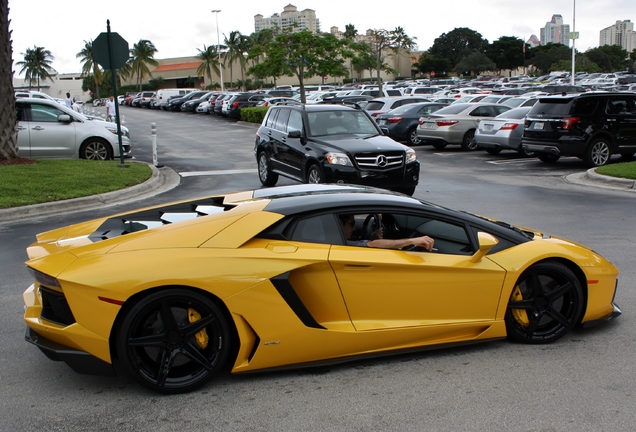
(424, 241)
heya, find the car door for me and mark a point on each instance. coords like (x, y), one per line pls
(290, 149)
(47, 135)
(385, 288)
(621, 120)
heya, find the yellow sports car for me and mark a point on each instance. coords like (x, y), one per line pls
(298, 275)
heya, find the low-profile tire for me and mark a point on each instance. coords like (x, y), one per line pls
(598, 153)
(96, 149)
(493, 150)
(548, 157)
(174, 340)
(468, 142)
(412, 138)
(439, 145)
(314, 175)
(265, 175)
(546, 302)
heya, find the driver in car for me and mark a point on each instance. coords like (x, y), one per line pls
(377, 241)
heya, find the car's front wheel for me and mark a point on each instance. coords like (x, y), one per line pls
(96, 149)
(173, 341)
(265, 175)
(314, 175)
(598, 153)
(546, 302)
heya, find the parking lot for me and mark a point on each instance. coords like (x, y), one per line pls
(583, 382)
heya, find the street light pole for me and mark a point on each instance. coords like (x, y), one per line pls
(218, 46)
(574, 37)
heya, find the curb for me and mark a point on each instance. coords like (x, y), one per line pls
(616, 182)
(161, 180)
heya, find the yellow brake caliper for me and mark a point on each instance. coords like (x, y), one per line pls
(201, 337)
(521, 316)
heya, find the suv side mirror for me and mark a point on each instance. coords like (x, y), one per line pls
(294, 134)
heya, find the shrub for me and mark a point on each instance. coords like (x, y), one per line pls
(254, 114)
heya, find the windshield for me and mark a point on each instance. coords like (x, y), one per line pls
(324, 123)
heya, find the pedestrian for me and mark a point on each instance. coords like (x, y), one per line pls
(68, 101)
(110, 109)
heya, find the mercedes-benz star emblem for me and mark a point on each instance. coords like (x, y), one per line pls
(381, 161)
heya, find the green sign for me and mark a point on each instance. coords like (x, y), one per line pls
(110, 50)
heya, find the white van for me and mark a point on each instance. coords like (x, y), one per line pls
(164, 94)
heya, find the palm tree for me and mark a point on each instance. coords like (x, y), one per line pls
(36, 64)
(141, 55)
(210, 61)
(238, 46)
(89, 65)
(8, 116)
(402, 42)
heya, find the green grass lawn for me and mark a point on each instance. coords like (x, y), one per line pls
(623, 169)
(55, 179)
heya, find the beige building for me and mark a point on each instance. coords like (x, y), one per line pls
(621, 34)
(289, 19)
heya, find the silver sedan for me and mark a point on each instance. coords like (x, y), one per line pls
(503, 132)
(456, 124)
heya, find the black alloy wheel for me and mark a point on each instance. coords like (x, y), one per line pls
(598, 153)
(174, 340)
(545, 304)
(265, 175)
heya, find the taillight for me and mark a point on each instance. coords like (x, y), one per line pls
(446, 122)
(568, 122)
(235, 105)
(395, 119)
(376, 114)
(509, 126)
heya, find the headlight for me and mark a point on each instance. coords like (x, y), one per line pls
(410, 156)
(44, 279)
(338, 159)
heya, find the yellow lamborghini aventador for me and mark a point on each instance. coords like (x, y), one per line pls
(176, 294)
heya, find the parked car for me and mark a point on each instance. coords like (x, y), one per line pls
(268, 278)
(503, 132)
(243, 100)
(218, 103)
(379, 106)
(591, 126)
(174, 104)
(147, 98)
(163, 95)
(49, 130)
(276, 100)
(192, 104)
(456, 124)
(401, 123)
(330, 144)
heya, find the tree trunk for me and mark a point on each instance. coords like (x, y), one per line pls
(8, 116)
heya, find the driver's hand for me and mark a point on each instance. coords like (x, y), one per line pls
(425, 241)
(378, 234)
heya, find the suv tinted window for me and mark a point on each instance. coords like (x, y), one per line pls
(295, 122)
(281, 120)
(584, 106)
(553, 106)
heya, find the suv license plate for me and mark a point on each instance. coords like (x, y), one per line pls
(538, 126)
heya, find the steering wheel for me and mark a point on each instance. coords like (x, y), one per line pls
(368, 227)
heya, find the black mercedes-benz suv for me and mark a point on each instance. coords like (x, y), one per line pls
(332, 144)
(592, 126)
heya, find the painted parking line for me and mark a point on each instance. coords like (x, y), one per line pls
(216, 172)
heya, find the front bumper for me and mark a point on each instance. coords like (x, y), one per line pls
(79, 361)
(396, 178)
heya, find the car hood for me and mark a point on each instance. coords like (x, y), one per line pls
(349, 143)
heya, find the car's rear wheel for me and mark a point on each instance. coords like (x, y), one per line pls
(265, 175)
(314, 175)
(598, 153)
(548, 157)
(493, 150)
(412, 138)
(468, 143)
(439, 145)
(546, 302)
(96, 149)
(174, 341)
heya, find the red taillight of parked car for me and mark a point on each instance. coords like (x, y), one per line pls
(395, 119)
(235, 105)
(568, 122)
(446, 122)
(509, 126)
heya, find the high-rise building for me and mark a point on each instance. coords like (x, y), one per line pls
(555, 31)
(621, 34)
(289, 19)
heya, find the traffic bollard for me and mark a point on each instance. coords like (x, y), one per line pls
(153, 133)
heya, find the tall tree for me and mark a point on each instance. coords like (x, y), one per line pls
(90, 66)
(302, 54)
(474, 64)
(8, 117)
(507, 52)
(543, 57)
(610, 58)
(141, 55)
(382, 40)
(209, 56)
(457, 44)
(36, 65)
(403, 43)
(238, 47)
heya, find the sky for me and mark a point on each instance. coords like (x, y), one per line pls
(181, 29)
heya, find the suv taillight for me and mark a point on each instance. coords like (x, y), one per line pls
(568, 122)
(235, 104)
